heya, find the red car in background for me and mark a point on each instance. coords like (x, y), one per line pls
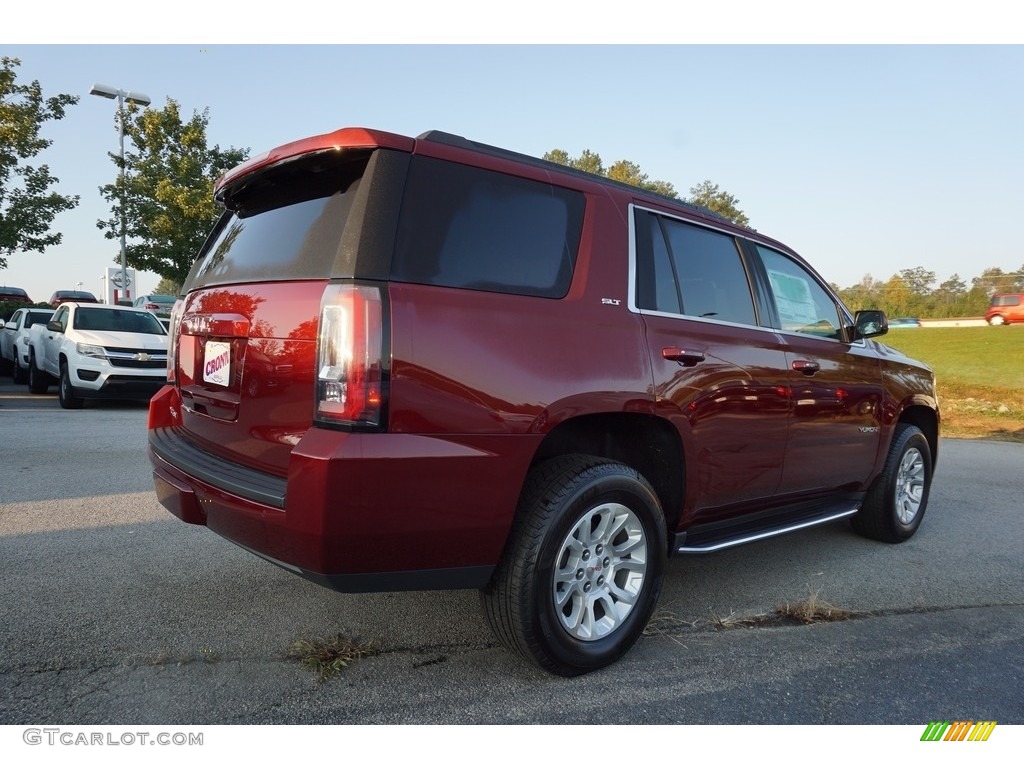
(14, 295)
(81, 297)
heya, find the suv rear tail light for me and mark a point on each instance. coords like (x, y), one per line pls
(351, 375)
(172, 346)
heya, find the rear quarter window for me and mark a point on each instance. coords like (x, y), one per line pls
(464, 227)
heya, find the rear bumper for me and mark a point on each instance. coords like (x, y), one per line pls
(357, 512)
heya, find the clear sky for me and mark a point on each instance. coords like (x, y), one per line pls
(863, 158)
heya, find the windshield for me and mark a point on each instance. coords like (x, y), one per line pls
(95, 319)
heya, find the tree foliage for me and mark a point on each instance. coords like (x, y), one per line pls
(623, 170)
(705, 195)
(167, 181)
(27, 205)
(909, 293)
(708, 195)
(167, 287)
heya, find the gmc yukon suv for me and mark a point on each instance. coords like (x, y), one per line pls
(425, 363)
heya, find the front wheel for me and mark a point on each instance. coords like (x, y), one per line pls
(66, 394)
(583, 568)
(895, 505)
(997, 320)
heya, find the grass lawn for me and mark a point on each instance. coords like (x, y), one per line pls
(980, 376)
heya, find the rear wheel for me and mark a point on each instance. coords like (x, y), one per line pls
(583, 568)
(65, 393)
(20, 375)
(896, 503)
(38, 381)
(996, 320)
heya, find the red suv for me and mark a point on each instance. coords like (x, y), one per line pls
(429, 363)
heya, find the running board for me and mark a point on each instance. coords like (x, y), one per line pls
(702, 545)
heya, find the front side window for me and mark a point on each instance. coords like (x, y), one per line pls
(803, 305)
(464, 227)
(62, 318)
(688, 270)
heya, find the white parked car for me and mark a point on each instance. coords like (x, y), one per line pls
(98, 351)
(14, 341)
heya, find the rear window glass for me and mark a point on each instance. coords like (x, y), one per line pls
(75, 296)
(31, 318)
(463, 227)
(288, 225)
(117, 320)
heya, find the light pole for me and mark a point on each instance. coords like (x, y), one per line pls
(132, 97)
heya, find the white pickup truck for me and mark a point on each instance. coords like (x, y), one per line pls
(98, 351)
(14, 340)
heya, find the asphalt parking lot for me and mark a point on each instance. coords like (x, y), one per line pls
(113, 611)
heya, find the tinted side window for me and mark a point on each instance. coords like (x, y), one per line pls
(464, 227)
(656, 279)
(685, 269)
(803, 305)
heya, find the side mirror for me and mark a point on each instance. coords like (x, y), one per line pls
(54, 326)
(2, 325)
(870, 322)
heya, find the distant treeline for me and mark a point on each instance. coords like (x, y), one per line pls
(913, 293)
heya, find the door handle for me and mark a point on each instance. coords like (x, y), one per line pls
(681, 356)
(806, 367)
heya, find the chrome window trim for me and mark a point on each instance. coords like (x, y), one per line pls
(631, 293)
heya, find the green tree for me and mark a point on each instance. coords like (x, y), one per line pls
(624, 171)
(27, 206)
(167, 180)
(863, 295)
(708, 195)
(896, 297)
(167, 287)
(994, 280)
(919, 280)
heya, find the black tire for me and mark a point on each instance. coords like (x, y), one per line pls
(65, 393)
(38, 381)
(895, 505)
(627, 544)
(20, 374)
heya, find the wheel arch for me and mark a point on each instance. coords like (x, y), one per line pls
(648, 444)
(927, 420)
